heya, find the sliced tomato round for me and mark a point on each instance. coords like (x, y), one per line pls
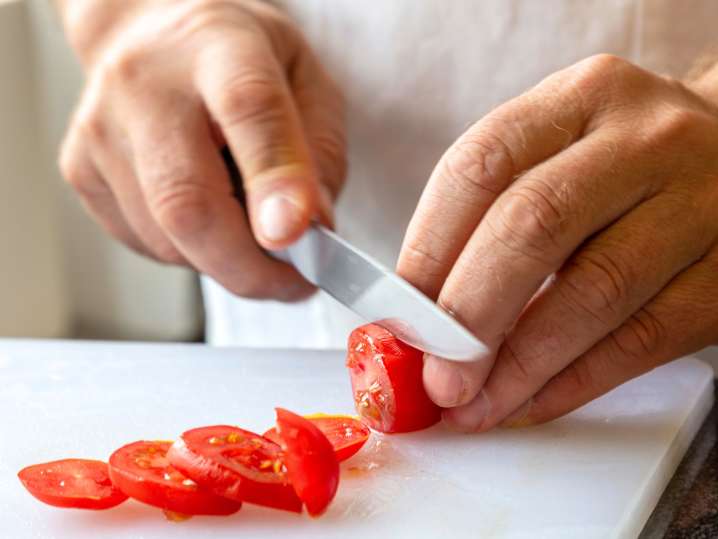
(311, 463)
(142, 471)
(236, 464)
(386, 376)
(346, 433)
(75, 483)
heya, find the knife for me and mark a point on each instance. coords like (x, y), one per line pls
(375, 293)
(379, 295)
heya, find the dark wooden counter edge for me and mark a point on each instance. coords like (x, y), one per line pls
(676, 514)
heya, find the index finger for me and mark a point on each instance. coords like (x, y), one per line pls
(466, 182)
(246, 92)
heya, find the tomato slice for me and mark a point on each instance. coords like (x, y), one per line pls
(311, 463)
(345, 432)
(387, 382)
(76, 483)
(236, 464)
(142, 471)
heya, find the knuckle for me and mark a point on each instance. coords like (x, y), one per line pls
(420, 263)
(182, 209)
(123, 65)
(419, 254)
(676, 125)
(87, 125)
(478, 162)
(521, 368)
(640, 338)
(598, 77)
(91, 127)
(250, 96)
(530, 222)
(603, 63)
(594, 69)
(579, 377)
(79, 175)
(596, 283)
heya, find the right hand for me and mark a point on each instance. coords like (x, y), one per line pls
(169, 84)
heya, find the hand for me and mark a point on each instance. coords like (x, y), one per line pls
(169, 84)
(573, 230)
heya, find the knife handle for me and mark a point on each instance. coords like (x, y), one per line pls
(235, 177)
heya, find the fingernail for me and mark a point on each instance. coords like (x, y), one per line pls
(470, 417)
(279, 217)
(443, 381)
(519, 418)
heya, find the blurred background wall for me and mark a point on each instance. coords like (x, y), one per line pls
(60, 276)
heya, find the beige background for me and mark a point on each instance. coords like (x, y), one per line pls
(59, 275)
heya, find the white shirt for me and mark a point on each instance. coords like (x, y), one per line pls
(416, 74)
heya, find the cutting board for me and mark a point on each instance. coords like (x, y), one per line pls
(596, 473)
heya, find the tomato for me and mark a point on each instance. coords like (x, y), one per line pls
(78, 483)
(237, 464)
(387, 382)
(142, 471)
(346, 433)
(309, 457)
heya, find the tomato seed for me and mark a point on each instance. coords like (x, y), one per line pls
(233, 438)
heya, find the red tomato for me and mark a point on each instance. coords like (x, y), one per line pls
(311, 463)
(78, 483)
(387, 384)
(346, 433)
(236, 464)
(142, 471)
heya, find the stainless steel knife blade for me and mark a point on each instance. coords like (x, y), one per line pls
(379, 295)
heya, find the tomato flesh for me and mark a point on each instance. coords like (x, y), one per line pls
(346, 433)
(386, 376)
(311, 463)
(236, 464)
(73, 483)
(142, 471)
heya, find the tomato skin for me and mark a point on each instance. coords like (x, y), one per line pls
(311, 463)
(386, 376)
(335, 428)
(57, 483)
(141, 470)
(228, 468)
(272, 435)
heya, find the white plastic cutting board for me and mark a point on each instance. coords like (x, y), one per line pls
(597, 473)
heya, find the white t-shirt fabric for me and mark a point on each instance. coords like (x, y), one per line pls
(416, 74)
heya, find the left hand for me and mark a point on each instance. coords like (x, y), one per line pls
(575, 231)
